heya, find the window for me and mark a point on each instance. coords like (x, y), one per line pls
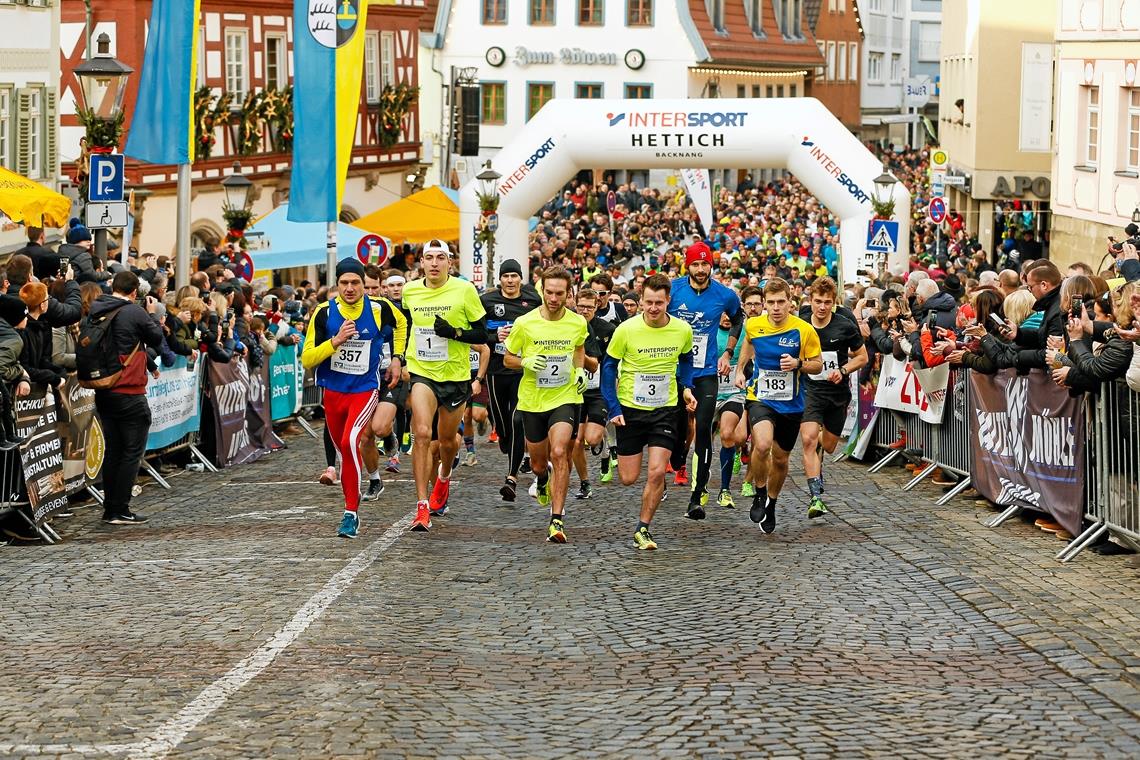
(237, 64)
(841, 61)
(837, 6)
(588, 90)
(537, 93)
(715, 9)
(755, 90)
(387, 59)
(791, 91)
(897, 7)
(896, 68)
(5, 127)
(788, 16)
(929, 42)
(276, 77)
(35, 133)
(853, 68)
(494, 11)
(371, 67)
(591, 12)
(494, 103)
(754, 12)
(770, 91)
(821, 71)
(1131, 131)
(779, 91)
(875, 6)
(1092, 131)
(875, 68)
(542, 12)
(639, 12)
(639, 91)
(741, 91)
(831, 61)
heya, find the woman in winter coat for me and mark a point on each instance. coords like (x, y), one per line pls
(63, 338)
(1083, 368)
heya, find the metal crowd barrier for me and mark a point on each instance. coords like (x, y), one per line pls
(188, 441)
(311, 397)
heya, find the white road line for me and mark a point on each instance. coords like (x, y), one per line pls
(171, 733)
(193, 560)
(311, 483)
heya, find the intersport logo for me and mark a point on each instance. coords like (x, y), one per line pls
(832, 167)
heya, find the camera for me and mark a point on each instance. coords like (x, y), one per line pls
(229, 314)
(931, 321)
(64, 265)
(1118, 247)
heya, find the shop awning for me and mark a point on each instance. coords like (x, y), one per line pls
(430, 213)
(298, 244)
(27, 201)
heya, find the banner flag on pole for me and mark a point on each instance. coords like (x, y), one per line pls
(162, 123)
(328, 47)
(700, 192)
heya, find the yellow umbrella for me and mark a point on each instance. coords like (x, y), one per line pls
(428, 214)
(23, 200)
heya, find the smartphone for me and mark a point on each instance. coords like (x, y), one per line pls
(998, 321)
(1077, 304)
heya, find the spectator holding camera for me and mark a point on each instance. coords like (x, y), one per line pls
(78, 252)
(66, 311)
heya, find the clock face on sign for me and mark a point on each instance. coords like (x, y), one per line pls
(495, 56)
(634, 58)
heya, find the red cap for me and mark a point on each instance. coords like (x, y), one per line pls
(698, 252)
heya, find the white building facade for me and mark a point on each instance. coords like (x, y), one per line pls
(885, 59)
(29, 81)
(1096, 156)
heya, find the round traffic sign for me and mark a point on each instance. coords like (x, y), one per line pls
(937, 209)
(372, 249)
(245, 266)
(939, 159)
(611, 201)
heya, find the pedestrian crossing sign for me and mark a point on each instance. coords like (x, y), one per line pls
(883, 236)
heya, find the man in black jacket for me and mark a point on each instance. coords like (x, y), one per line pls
(123, 409)
(78, 250)
(1044, 282)
(45, 261)
(59, 313)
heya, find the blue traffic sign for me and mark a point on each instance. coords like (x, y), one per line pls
(937, 209)
(883, 236)
(106, 181)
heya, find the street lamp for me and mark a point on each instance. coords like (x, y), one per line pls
(488, 194)
(102, 87)
(884, 187)
(1136, 215)
(235, 207)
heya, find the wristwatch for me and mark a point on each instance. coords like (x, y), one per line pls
(844, 371)
(403, 361)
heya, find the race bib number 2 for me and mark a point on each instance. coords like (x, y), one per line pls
(774, 385)
(556, 374)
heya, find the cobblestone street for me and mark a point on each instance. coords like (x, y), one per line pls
(235, 624)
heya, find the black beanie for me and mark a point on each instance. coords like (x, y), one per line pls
(349, 265)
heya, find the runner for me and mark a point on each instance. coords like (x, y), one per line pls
(783, 346)
(701, 302)
(609, 309)
(475, 418)
(731, 400)
(343, 343)
(640, 386)
(828, 392)
(547, 344)
(592, 421)
(504, 305)
(388, 422)
(446, 317)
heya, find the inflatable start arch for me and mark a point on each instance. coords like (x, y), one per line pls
(797, 134)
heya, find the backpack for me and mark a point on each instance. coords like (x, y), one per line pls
(97, 363)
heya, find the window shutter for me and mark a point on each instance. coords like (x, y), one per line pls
(51, 130)
(23, 131)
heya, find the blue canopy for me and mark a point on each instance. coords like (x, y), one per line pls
(299, 244)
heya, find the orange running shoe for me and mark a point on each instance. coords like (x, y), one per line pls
(682, 477)
(439, 493)
(494, 436)
(423, 519)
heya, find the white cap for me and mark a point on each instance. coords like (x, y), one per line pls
(436, 246)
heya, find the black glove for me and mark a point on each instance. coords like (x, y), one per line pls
(444, 329)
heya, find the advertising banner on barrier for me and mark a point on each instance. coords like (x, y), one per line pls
(285, 379)
(229, 390)
(901, 388)
(175, 403)
(41, 454)
(1028, 440)
(259, 419)
(82, 436)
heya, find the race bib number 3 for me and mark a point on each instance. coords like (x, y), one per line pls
(700, 343)
(830, 364)
(352, 357)
(556, 374)
(429, 346)
(774, 385)
(651, 390)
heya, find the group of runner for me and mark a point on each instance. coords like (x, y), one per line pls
(563, 372)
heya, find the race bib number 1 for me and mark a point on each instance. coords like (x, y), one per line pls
(429, 346)
(774, 385)
(651, 390)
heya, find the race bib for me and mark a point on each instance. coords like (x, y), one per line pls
(727, 385)
(830, 362)
(651, 390)
(556, 374)
(352, 357)
(774, 385)
(475, 360)
(593, 380)
(700, 343)
(429, 346)
(385, 356)
(501, 346)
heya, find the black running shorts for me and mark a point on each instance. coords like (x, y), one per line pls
(831, 412)
(593, 409)
(655, 427)
(786, 427)
(451, 393)
(536, 425)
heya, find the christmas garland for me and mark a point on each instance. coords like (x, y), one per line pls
(249, 123)
(395, 103)
(100, 133)
(207, 112)
(277, 113)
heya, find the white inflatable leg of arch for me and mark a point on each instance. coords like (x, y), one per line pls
(798, 134)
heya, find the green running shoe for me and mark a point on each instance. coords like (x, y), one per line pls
(542, 493)
(556, 533)
(817, 508)
(643, 540)
(725, 499)
(747, 491)
(607, 467)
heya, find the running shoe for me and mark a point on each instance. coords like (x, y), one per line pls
(768, 523)
(533, 490)
(375, 488)
(817, 508)
(393, 463)
(542, 493)
(681, 478)
(556, 533)
(328, 477)
(494, 436)
(406, 443)
(525, 467)
(470, 460)
(747, 491)
(607, 469)
(439, 494)
(725, 499)
(696, 511)
(705, 497)
(642, 539)
(669, 469)
(349, 525)
(597, 450)
(736, 463)
(481, 427)
(744, 457)
(423, 517)
(508, 490)
(584, 490)
(759, 499)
